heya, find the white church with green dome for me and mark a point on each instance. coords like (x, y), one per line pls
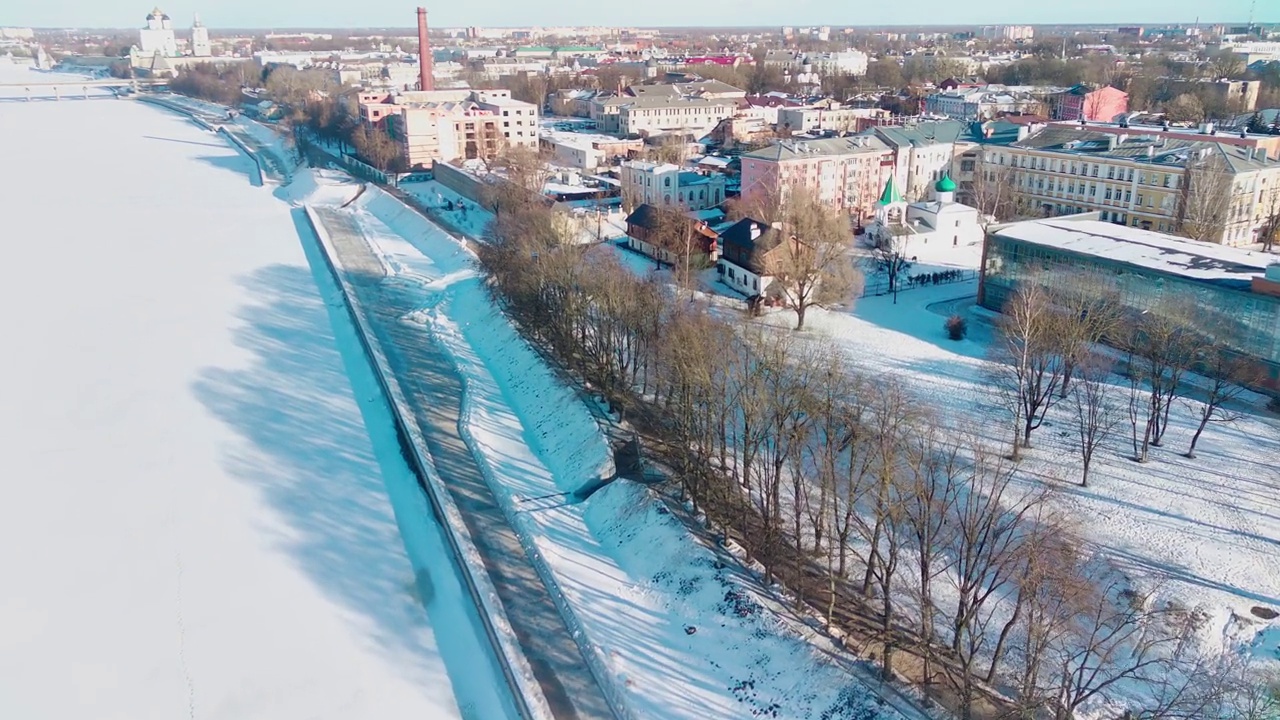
(941, 220)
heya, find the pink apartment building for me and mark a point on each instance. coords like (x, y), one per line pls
(1082, 103)
(845, 172)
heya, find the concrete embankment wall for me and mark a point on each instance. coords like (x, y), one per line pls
(514, 667)
(259, 172)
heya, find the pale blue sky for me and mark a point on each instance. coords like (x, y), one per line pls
(382, 13)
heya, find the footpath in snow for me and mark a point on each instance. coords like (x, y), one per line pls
(666, 628)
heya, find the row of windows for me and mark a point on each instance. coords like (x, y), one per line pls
(1093, 170)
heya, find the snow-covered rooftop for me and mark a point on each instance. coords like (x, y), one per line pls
(1205, 262)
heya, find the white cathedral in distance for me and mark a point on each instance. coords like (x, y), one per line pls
(158, 38)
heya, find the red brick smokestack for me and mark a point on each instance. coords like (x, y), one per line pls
(425, 80)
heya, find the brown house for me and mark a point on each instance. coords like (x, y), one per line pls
(652, 231)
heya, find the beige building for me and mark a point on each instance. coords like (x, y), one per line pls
(650, 116)
(847, 120)
(693, 108)
(1236, 95)
(586, 151)
(1144, 180)
(445, 125)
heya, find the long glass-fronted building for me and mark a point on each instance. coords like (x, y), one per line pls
(1236, 292)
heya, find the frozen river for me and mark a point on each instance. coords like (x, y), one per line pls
(204, 513)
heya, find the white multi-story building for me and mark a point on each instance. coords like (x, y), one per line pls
(662, 115)
(667, 186)
(843, 120)
(1008, 32)
(519, 118)
(444, 125)
(987, 101)
(200, 39)
(845, 62)
(1253, 51)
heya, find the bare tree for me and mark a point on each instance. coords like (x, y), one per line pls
(883, 526)
(376, 147)
(1049, 593)
(812, 266)
(1114, 636)
(1184, 108)
(889, 257)
(1088, 311)
(993, 192)
(1204, 201)
(1094, 409)
(992, 521)
(1227, 375)
(1225, 64)
(938, 473)
(1269, 229)
(1161, 348)
(1028, 364)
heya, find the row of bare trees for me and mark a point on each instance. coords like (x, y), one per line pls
(1051, 349)
(924, 545)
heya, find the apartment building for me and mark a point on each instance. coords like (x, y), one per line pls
(446, 125)
(665, 185)
(846, 172)
(1235, 95)
(650, 116)
(1144, 180)
(764, 107)
(1082, 102)
(817, 119)
(986, 102)
(844, 62)
(690, 107)
(924, 152)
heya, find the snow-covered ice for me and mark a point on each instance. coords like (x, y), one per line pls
(196, 520)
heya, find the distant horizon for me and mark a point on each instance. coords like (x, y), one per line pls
(744, 14)
(410, 29)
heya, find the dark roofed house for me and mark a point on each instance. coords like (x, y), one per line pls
(744, 256)
(650, 229)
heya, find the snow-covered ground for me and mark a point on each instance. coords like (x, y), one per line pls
(1202, 533)
(680, 634)
(205, 513)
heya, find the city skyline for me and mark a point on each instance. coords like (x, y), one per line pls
(116, 14)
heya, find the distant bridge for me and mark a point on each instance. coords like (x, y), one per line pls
(87, 83)
(75, 89)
